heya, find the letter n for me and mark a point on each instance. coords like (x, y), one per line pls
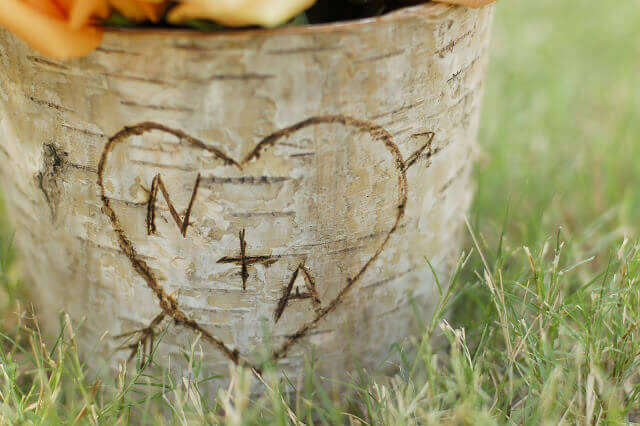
(183, 223)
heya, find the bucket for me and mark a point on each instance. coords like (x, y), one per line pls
(272, 193)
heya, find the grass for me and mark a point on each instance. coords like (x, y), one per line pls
(542, 321)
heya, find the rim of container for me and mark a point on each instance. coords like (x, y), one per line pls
(426, 10)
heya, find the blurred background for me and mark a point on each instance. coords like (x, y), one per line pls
(561, 123)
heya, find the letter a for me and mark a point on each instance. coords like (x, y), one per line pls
(305, 281)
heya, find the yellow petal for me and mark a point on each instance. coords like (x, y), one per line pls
(83, 10)
(51, 36)
(153, 10)
(238, 13)
(128, 9)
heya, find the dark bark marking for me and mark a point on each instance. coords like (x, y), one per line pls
(193, 47)
(54, 164)
(49, 104)
(149, 149)
(129, 77)
(247, 180)
(263, 214)
(45, 62)
(463, 70)
(157, 107)
(83, 131)
(391, 278)
(162, 166)
(117, 51)
(401, 131)
(84, 168)
(241, 77)
(404, 108)
(302, 154)
(449, 47)
(130, 203)
(344, 250)
(304, 50)
(455, 177)
(384, 56)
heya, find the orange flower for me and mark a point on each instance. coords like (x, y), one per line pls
(64, 29)
(81, 11)
(141, 10)
(239, 13)
(46, 25)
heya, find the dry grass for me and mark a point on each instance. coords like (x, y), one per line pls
(544, 314)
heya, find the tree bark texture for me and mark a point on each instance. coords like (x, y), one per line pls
(274, 192)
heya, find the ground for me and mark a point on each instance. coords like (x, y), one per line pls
(541, 322)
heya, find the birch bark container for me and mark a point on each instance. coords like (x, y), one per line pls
(270, 191)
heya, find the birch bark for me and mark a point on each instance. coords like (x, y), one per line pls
(272, 191)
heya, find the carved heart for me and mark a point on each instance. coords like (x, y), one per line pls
(213, 170)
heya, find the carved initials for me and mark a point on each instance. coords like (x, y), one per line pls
(311, 292)
(170, 306)
(183, 224)
(244, 261)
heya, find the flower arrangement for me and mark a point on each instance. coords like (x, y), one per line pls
(65, 29)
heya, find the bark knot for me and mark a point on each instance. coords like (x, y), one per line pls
(49, 178)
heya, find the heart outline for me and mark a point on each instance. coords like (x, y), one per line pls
(169, 304)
